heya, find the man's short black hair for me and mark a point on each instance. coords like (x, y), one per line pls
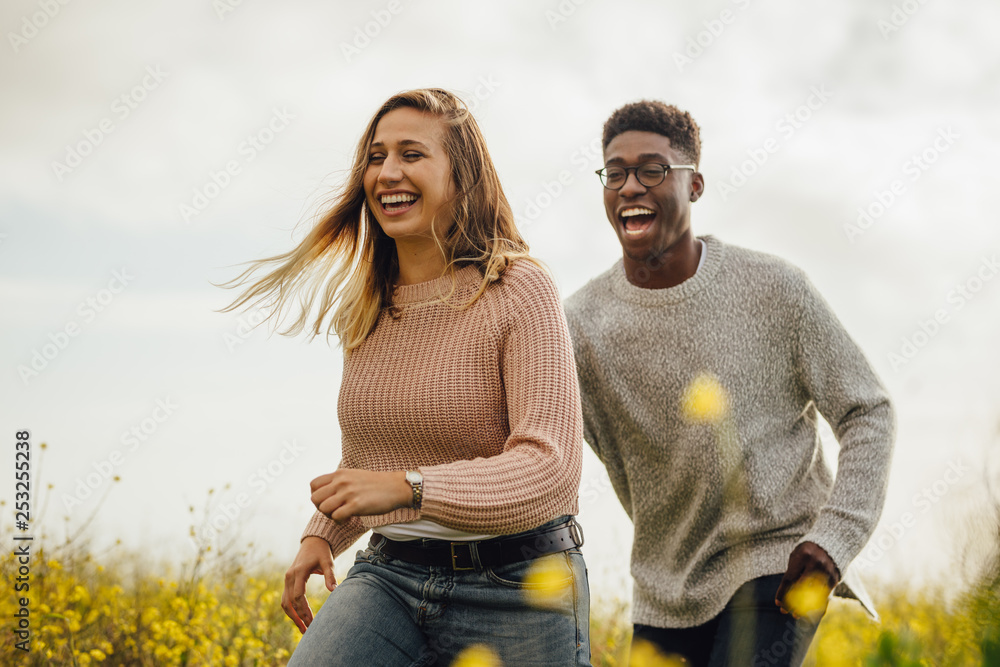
(654, 116)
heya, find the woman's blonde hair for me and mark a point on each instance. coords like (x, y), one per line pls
(349, 265)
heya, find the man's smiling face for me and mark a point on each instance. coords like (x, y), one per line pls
(649, 220)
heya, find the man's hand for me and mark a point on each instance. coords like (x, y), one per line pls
(810, 577)
(347, 493)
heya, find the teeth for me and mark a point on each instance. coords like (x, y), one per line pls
(397, 199)
(629, 212)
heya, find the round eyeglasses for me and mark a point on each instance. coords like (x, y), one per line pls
(650, 174)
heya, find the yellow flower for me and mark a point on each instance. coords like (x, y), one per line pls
(546, 581)
(477, 655)
(705, 400)
(646, 654)
(808, 597)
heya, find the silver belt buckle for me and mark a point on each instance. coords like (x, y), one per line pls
(576, 532)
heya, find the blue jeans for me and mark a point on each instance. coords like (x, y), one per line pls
(388, 612)
(751, 631)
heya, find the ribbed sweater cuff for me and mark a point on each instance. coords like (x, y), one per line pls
(825, 533)
(340, 537)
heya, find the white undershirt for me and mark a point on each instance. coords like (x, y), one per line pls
(701, 260)
(414, 530)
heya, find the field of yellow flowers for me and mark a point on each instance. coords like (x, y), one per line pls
(86, 612)
(116, 608)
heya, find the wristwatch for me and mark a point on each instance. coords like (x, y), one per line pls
(416, 481)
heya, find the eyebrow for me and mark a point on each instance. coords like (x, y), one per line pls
(404, 142)
(642, 158)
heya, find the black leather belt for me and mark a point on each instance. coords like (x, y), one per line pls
(475, 555)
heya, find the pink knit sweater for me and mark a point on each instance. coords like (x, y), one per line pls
(484, 402)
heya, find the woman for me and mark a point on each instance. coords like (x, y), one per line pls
(459, 410)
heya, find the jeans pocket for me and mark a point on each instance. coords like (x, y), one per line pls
(547, 573)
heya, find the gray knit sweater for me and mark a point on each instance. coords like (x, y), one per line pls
(715, 504)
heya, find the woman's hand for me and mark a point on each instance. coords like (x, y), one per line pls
(314, 557)
(349, 492)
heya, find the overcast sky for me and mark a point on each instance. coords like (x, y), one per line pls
(148, 148)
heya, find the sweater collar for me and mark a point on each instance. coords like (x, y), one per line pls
(466, 278)
(623, 289)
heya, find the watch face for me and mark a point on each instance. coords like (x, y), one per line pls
(414, 477)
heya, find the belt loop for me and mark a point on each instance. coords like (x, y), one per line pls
(474, 552)
(473, 556)
(377, 547)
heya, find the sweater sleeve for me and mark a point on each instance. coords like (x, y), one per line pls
(582, 355)
(850, 397)
(538, 472)
(586, 361)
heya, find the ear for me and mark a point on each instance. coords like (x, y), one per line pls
(697, 186)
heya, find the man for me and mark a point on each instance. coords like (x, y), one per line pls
(702, 368)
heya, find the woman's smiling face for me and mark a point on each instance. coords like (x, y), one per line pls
(408, 177)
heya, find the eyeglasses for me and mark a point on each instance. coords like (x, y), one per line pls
(650, 174)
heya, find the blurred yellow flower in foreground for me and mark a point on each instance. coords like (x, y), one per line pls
(705, 400)
(477, 655)
(546, 581)
(808, 597)
(646, 654)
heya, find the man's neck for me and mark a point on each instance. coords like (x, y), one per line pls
(669, 269)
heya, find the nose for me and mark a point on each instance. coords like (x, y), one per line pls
(391, 170)
(632, 185)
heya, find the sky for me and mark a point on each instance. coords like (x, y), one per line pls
(151, 148)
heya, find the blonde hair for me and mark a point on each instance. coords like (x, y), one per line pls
(347, 264)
